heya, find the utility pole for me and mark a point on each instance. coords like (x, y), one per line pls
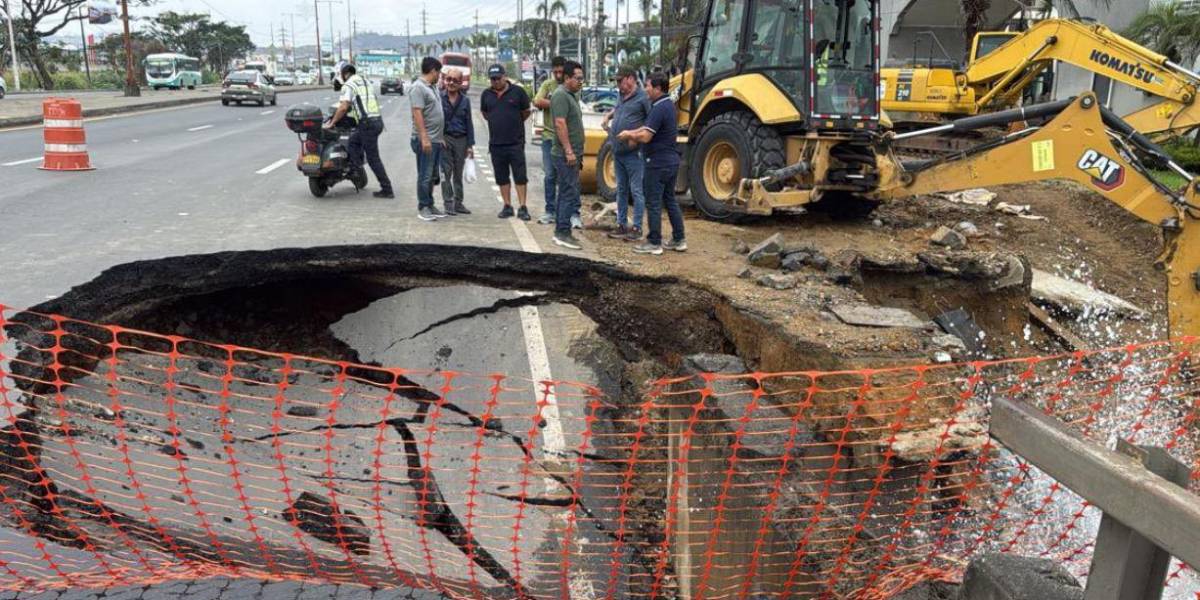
(424, 21)
(273, 61)
(353, 32)
(350, 25)
(408, 48)
(87, 66)
(131, 86)
(317, 20)
(284, 45)
(329, 4)
(12, 45)
(292, 16)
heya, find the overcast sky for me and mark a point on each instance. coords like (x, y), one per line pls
(384, 16)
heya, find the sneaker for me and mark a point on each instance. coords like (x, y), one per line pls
(462, 210)
(383, 194)
(449, 210)
(505, 212)
(425, 214)
(576, 222)
(546, 219)
(437, 214)
(680, 246)
(523, 214)
(634, 235)
(648, 248)
(619, 233)
(567, 240)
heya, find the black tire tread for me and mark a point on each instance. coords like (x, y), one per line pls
(766, 148)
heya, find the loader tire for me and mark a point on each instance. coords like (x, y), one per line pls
(606, 173)
(733, 146)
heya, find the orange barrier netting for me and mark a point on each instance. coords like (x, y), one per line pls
(128, 457)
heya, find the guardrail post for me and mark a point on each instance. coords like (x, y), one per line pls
(1126, 565)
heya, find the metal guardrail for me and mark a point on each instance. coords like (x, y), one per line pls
(1149, 515)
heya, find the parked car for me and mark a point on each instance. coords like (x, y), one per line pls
(305, 79)
(247, 86)
(389, 85)
(285, 79)
(3, 87)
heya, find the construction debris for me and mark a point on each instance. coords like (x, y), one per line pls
(876, 316)
(944, 236)
(1079, 299)
(768, 253)
(974, 197)
(1065, 336)
(968, 229)
(959, 324)
(1024, 211)
(777, 282)
(740, 246)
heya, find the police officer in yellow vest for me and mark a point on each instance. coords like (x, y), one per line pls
(360, 101)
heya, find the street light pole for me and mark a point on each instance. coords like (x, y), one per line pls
(12, 45)
(131, 86)
(350, 26)
(320, 65)
(87, 65)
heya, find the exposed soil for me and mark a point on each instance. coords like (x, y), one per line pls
(1085, 238)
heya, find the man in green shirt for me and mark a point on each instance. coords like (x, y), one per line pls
(567, 151)
(542, 102)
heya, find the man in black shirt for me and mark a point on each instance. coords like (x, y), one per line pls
(505, 107)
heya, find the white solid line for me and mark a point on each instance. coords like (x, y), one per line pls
(266, 112)
(555, 443)
(200, 128)
(272, 166)
(22, 162)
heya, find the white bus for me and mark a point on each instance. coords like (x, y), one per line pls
(172, 70)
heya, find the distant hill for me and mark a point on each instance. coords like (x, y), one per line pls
(369, 40)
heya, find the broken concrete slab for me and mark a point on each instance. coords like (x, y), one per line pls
(1003, 576)
(767, 253)
(959, 324)
(766, 260)
(876, 316)
(1078, 298)
(777, 282)
(740, 246)
(944, 236)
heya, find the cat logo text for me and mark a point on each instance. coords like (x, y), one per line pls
(1107, 174)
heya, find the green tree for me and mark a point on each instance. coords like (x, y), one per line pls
(111, 51)
(182, 32)
(1169, 29)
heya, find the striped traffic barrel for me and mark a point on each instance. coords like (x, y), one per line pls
(66, 144)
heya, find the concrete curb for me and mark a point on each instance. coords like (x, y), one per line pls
(23, 121)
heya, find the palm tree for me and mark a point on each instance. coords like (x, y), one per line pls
(1169, 29)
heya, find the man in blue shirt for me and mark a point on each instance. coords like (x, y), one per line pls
(460, 141)
(661, 152)
(630, 114)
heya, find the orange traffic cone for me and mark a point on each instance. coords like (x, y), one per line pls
(66, 144)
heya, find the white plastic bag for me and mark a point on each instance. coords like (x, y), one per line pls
(469, 174)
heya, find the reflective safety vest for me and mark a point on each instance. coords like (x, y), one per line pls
(363, 101)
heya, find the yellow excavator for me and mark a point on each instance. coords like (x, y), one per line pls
(1003, 65)
(780, 112)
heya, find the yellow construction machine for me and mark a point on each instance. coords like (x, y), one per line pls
(1003, 65)
(780, 112)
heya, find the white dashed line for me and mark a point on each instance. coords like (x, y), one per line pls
(266, 112)
(22, 162)
(200, 128)
(272, 166)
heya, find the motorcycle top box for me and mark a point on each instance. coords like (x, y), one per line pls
(304, 118)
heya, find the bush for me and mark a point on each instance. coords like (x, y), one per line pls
(70, 80)
(28, 81)
(1184, 152)
(108, 80)
(209, 77)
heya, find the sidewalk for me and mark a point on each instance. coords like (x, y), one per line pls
(19, 109)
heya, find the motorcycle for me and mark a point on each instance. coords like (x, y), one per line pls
(324, 155)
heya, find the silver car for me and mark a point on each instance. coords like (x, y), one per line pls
(248, 86)
(3, 87)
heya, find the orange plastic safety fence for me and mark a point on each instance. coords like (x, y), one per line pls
(128, 457)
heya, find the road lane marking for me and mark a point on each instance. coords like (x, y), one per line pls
(272, 166)
(266, 112)
(22, 162)
(200, 128)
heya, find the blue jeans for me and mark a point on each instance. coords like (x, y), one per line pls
(426, 164)
(549, 185)
(630, 170)
(660, 192)
(568, 194)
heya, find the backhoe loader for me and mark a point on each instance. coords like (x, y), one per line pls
(781, 112)
(1003, 65)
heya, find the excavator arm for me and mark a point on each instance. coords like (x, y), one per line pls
(1081, 142)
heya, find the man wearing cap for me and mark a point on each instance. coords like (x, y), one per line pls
(359, 100)
(629, 115)
(505, 107)
(429, 123)
(542, 102)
